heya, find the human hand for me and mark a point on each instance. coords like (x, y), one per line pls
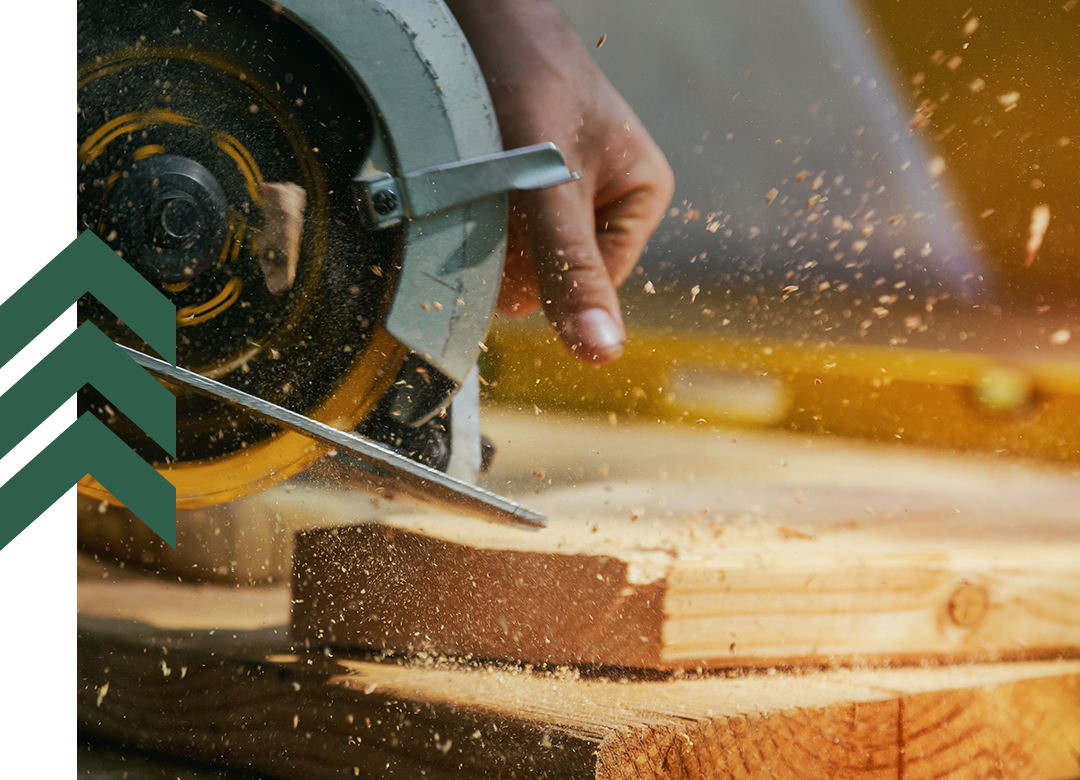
(569, 246)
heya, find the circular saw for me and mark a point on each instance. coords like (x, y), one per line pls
(320, 188)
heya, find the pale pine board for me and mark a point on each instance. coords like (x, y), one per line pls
(694, 553)
(152, 674)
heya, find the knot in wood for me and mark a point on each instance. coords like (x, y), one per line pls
(968, 605)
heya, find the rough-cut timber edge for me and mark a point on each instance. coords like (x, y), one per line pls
(382, 587)
(669, 575)
(240, 695)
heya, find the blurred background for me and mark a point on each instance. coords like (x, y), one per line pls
(874, 230)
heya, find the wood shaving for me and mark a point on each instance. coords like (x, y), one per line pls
(1040, 221)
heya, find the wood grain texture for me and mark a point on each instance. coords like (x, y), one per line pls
(242, 695)
(672, 574)
(924, 737)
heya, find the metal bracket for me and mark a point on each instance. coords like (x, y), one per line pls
(388, 200)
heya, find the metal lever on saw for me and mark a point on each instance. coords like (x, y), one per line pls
(444, 187)
(391, 470)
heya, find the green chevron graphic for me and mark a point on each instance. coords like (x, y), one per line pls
(88, 356)
(87, 265)
(87, 446)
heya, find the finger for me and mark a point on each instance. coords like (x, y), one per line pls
(628, 212)
(519, 293)
(624, 227)
(575, 288)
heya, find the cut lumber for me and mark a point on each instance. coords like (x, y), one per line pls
(748, 549)
(674, 575)
(241, 694)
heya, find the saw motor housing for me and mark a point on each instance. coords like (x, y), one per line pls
(321, 190)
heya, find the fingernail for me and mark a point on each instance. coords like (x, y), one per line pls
(595, 336)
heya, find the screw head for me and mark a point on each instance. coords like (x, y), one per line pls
(384, 202)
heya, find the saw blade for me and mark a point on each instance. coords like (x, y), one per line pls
(216, 149)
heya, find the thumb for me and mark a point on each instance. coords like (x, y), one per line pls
(576, 290)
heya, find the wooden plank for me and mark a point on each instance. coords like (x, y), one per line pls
(241, 695)
(890, 568)
(744, 551)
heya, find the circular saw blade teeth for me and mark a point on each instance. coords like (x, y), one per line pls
(273, 295)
